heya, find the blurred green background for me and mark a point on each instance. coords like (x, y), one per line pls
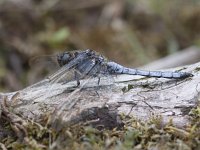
(131, 32)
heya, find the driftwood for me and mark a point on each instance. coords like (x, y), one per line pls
(130, 95)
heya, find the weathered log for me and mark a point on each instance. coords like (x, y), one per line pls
(131, 95)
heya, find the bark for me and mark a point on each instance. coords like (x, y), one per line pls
(131, 95)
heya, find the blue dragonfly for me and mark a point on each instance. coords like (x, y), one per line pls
(77, 65)
(86, 65)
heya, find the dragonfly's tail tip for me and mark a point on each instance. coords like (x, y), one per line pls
(186, 75)
(189, 74)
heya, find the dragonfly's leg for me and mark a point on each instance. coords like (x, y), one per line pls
(77, 78)
(98, 80)
(78, 82)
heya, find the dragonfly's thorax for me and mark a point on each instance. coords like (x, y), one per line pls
(66, 57)
(87, 58)
(93, 61)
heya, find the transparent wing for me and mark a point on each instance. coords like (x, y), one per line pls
(41, 67)
(90, 68)
(68, 69)
(68, 73)
(45, 61)
(66, 109)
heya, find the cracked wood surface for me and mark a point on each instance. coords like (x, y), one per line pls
(131, 95)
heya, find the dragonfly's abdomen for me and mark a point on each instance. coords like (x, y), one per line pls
(115, 68)
(162, 74)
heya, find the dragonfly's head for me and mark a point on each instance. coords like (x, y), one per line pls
(64, 58)
(93, 54)
(89, 52)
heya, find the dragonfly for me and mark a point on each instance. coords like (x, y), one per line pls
(79, 65)
(88, 64)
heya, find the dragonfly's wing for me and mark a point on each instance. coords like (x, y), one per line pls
(71, 100)
(90, 68)
(45, 61)
(42, 66)
(67, 69)
(76, 69)
(65, 110)
(49, 62)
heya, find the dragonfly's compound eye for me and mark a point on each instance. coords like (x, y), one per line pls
(76, 53)
(66, 57)
(63, 58)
